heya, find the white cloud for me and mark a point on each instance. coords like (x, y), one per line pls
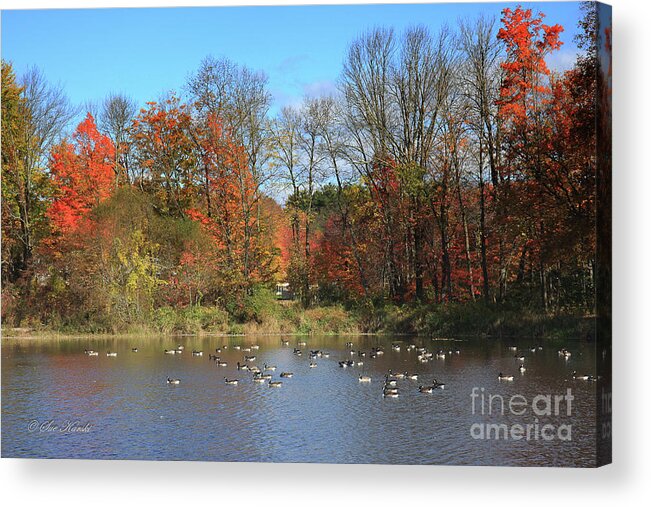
(561, 60)
(320, 88)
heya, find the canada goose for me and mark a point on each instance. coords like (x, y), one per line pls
(301, 344)
(397, 375)
(91, 352)
(218, 350)
(298, 352)
(266, 367)
(284, 342)
(232, 382)
(391, 390)
(426, 389)
(276, 383)
(438, 385)
(286, 374)
(411, 376)
(111, 354)
(564, 353)
(343, 364)
(359, 363)
(589, 378)
(249, 358)
(170, 351)
(265, 376)
(390, 394)
(352, 352)
(258, 379)
(212, 357)
(349, 344)
(237, 347)
(254, 369)
(364, 378)
(242, 367)
(255, 347)
(312, 365)
(246, 349)
(134, 349)
(391, 383)
(325, 355)
(521, 368)
(440, 355)
(533, 349)
(513, 348)
(361, 353)
(350, 363)
(221, 363)
(197, 353)
(180, 347)
(504, 377)
(519, 358)
(395, 347)
(174, 381)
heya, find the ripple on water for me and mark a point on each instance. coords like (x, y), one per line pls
(322, 414)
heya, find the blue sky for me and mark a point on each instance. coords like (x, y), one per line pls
(146, 52)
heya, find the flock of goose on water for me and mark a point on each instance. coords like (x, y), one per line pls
(390, 389)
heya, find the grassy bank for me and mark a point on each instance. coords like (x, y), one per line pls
(473, 319)
(264, 315)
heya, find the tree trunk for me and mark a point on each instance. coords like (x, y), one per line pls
(482, 229)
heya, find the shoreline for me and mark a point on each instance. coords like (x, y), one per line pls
(458, 337)
(467, 321)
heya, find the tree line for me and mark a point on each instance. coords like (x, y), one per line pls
(448, 167)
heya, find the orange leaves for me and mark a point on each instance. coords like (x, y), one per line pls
(528, 42)
(164, 146)
(82, 175)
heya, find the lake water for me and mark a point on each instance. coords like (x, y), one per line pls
(122, 407)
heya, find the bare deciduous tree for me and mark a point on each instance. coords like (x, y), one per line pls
(47, 113)
(480, 81)
(114, 119)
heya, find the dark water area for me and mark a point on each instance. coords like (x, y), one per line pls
(58, 402)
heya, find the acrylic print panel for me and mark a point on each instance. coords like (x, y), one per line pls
(338, 234)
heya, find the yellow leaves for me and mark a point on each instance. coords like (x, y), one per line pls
(133, 273)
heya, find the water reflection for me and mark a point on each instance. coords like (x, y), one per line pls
(322, 414)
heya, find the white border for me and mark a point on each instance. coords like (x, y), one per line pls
(59, 482)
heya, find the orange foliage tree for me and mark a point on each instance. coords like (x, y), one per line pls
(82, 177)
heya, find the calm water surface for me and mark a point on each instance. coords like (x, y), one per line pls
(322, 414)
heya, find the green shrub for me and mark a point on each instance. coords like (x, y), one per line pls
(192, 320)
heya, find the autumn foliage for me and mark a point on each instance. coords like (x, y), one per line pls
(472, 178)
(82, 176)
